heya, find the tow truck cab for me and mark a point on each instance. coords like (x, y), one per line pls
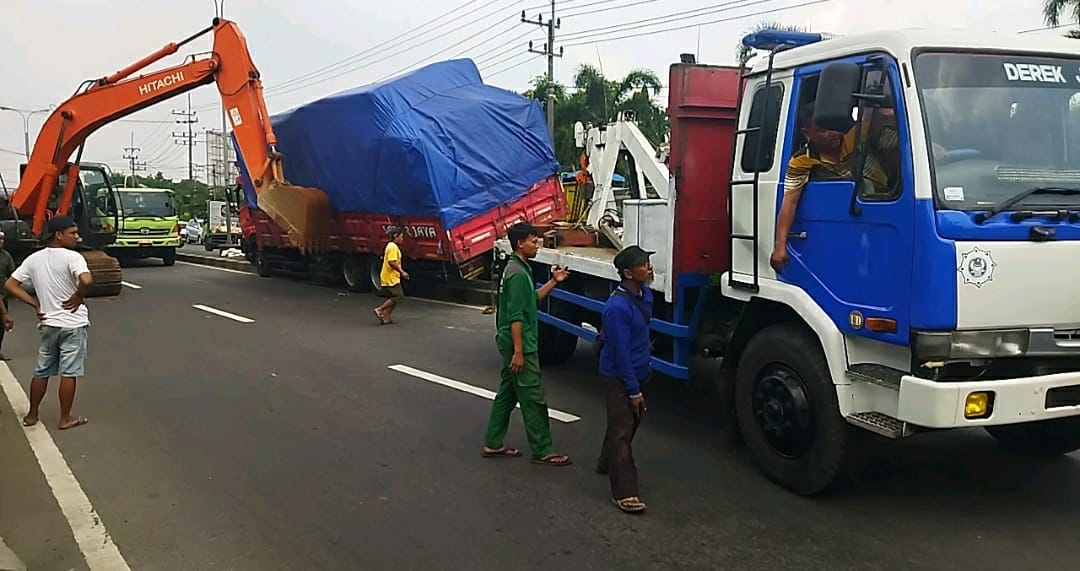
(149, 225)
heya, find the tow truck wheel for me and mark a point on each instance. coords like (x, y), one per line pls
(169, 258)
(787, 410)
(554, 345)
(1044, 438)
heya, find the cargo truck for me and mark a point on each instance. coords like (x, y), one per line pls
(947, 301)
(149, 225)
(436, 152)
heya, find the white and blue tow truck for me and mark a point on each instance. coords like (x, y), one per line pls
(950, 301)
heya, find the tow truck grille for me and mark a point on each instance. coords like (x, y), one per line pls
(1067, 335)
(140, 234)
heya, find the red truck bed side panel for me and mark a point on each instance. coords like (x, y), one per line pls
(702, 103)
(426, 239)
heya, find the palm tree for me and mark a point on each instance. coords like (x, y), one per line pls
(743, 53)
(1052, 10)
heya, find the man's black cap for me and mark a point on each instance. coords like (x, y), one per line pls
(59, 224)
(631, 256)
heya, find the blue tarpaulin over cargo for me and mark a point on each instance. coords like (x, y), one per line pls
(434, 142)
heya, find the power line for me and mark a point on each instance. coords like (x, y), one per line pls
(490, 54)
(367, 51)
(399, 52)
(667, 19)
(505, 69)
(697, 24)
(608, 9)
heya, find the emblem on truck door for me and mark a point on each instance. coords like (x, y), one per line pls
(977, 267)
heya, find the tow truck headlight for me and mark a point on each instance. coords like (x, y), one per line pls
(989, 344)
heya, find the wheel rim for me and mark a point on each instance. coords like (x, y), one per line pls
(351, 271)
(783, 411)
(376, 276)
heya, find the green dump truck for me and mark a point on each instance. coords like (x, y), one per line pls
(149, 225)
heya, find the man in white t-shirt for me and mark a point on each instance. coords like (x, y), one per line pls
(60, 279)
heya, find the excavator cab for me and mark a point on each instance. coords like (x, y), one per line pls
(95, 206)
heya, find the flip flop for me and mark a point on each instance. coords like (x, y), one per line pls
(552, 460)
(502, 453)
(24, 423)
(632, 504)
(78, 422)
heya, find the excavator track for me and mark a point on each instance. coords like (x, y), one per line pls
(105, 270)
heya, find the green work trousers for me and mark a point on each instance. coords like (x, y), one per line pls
(525, 389)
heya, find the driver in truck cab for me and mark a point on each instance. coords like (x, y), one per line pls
(831, 155)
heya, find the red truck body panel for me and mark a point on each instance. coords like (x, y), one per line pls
(702, 106)
(425, 239)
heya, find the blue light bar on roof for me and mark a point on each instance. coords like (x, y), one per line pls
(770, 40)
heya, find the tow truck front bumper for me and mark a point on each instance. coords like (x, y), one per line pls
(935, 404)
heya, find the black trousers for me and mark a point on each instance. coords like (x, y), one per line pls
(616, 453)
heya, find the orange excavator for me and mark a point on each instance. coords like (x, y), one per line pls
(51, 184)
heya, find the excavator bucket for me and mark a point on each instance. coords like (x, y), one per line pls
(303, 212)
(106, 273)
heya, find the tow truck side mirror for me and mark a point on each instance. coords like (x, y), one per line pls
(837, 86)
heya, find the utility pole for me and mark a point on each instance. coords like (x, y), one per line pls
(189, 118)
(132, 155)
(549, 51)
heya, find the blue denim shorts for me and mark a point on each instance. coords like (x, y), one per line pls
(62, 352)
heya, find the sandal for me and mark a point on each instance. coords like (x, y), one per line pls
(553, 460)
(633, 504)
(503, 452)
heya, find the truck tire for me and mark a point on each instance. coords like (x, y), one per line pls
(169, 259)
(209, 247)
(262, 265)
(374, 264)
(354, 272)
(787, 410)
(106, 272)
(1044, 438)
(554, 345)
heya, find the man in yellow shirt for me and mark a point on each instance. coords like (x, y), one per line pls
(831, 155)
(391, 276)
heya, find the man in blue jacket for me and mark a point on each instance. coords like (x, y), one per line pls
(624, 367)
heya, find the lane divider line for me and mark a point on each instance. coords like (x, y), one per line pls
(224, 314)
(559, 415)
(204, 266)
(97, 547)
(131, 285)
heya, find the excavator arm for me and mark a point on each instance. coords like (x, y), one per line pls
(303, 212)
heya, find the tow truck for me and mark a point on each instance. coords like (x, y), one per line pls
(947, 302)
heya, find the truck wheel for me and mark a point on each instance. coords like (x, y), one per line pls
(169, 258)
(1044, 438)
(554, 345)
(209, 247)
(354, 273)
(787, 410)
(262, 265)
(375, 274)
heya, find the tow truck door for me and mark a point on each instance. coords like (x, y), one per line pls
(854, 257)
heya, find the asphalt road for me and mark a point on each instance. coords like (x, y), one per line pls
(287, 443)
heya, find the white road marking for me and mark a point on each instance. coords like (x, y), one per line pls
(89, 531)
(131, 285)
(450, 303)
(480, 392)
(8, 559)
(231, 271)
(225, 314)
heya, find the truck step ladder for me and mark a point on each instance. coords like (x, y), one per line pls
(753, 183)
(880, 423)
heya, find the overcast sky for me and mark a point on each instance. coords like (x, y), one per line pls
(46, 56)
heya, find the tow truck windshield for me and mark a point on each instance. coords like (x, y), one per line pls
(1001, 125)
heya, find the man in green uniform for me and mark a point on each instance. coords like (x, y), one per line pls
(516, 339)
(7, 267)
